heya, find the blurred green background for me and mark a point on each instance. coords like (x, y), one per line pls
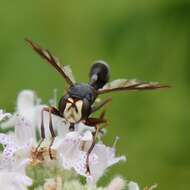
(148, 40)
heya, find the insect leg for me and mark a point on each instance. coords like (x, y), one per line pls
(56, 112)
(42, 129)
(94, 122)
(91, 148)
(91, 121)
(102, 104)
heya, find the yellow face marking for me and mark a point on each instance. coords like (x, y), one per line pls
(70, 113)
(71, 100)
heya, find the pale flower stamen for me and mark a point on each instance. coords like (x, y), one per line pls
(115, 141)
(41, 155)
(151, 187)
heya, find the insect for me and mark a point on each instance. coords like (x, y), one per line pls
(78, 102)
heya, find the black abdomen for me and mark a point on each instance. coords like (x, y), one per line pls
(99, 74)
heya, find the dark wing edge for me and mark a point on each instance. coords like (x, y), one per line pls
(130, 84)
(65, 71)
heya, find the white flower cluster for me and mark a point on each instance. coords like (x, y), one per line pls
(70, 148)
(21, 168)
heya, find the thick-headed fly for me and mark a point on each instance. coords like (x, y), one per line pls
(78, 102)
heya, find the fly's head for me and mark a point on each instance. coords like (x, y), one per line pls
(76, 104)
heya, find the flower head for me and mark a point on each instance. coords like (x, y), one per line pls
(17, 144)
(72, 152)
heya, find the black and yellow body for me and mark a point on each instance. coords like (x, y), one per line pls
(76, 105)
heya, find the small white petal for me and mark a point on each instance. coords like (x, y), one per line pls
(24, 131)
(133, 186)
(20, 167)
(25, 180)
(81, 128)
(87, 136)
(25, 100)
(61, 125)
(8, 153)
(10, 180)
(4, 115)
(118, 183)
(105, 158)
(5, 139)
(90, 180)
(9, 123)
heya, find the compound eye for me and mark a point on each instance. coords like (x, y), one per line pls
(62, 103)
(86, 108)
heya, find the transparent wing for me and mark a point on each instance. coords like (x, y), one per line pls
(65, 71)
(129, 84)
